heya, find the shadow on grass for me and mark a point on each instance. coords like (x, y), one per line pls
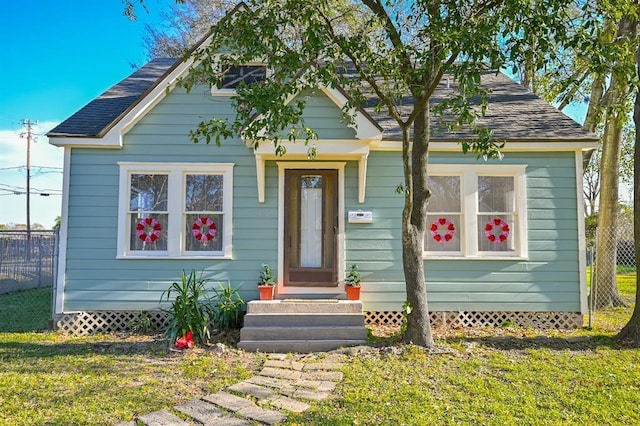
(49, 349)
(514, 340)
(553, 343)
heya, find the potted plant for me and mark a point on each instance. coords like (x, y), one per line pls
(266, 283)
(352, 283)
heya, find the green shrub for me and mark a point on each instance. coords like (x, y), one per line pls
(191, 310)
(228, 308)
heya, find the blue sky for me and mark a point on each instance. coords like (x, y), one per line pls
(56, 57)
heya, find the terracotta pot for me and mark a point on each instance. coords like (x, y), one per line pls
(266, 292)
(353, 292)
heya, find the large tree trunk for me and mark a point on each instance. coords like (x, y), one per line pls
(606, 289)
(594, 110)
(631, 331)
(413, 227)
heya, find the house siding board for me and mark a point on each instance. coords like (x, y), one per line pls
(96, 280)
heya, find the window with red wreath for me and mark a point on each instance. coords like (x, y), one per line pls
(443, 214)
(148, 212)
(203, 212)
(175, 210)
(496, 213)
(476, 211)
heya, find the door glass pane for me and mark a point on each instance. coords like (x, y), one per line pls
(311, 221)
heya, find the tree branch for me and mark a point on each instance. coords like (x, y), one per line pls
(394, 36)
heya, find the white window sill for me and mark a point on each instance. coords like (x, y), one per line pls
(138, 257)
(434, 257)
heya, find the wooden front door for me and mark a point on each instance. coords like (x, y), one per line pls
(310, 228)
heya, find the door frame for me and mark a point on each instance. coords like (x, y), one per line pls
(311, 165)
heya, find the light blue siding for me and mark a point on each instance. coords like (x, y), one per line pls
(97, 280)
(547, 281)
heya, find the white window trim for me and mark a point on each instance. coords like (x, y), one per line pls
(469, 197)
(230, 92)
(177, 173)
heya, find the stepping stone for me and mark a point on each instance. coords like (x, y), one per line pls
(318, 385)
(281, 373)
(292, 365)
(331, 376)
(208, 414)
(253, 390)
(162, 418)
(322, 366)
(310, 394)
(279, 357)
(245, 408)
(289, 404)
(271, 382)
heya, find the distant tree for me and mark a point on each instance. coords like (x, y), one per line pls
(183, 25)
(57, 223)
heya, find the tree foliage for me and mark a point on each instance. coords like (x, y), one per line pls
(393, 53)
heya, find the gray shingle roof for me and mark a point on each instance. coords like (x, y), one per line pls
(514, 113)
(99, 115)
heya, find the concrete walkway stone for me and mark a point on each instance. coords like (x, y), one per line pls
(162, 418)
(208, 414)
(290, 383)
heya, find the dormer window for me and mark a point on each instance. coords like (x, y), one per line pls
(236, 74)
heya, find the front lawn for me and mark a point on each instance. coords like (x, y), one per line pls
(494, 376)
(46, 378)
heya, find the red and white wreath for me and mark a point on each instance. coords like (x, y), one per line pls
(148, 230)
(204, 229)
(442, 230)
(496, 230)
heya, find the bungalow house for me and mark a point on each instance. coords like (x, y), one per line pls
(141, 203)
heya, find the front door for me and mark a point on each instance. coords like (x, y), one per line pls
(310, 228)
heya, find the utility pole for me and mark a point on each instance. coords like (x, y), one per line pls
(28, 134)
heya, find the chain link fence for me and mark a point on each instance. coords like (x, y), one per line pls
(611, 269)
(27, 278)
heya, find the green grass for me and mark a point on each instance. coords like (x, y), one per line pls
(511, 382)
(27, 310)
(494, 376)
(46, 378)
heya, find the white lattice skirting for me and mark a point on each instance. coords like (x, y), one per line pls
(87, 323)
(540, 320)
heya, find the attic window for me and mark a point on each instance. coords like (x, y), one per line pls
(234, 75)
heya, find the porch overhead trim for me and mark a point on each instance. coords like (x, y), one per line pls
(328, 150)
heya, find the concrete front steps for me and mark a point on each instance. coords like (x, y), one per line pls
(302, 325)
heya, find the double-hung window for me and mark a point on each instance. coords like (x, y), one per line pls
(476, 211)
(175, 210)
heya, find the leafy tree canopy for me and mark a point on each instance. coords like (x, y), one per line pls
(392, 53)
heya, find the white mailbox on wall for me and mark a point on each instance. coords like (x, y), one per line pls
(359, 216)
